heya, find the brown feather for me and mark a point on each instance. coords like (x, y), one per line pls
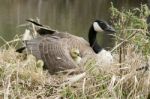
(54, 49)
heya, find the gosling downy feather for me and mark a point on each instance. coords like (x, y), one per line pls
(54, 47)
(75, 54)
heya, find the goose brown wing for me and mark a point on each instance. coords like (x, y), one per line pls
(73, 41)
(54, 53)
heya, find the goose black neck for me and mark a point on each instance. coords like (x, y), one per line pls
(92, 40)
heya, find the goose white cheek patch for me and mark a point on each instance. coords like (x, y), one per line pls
(97, 27)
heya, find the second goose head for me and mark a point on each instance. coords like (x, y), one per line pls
(98, 26)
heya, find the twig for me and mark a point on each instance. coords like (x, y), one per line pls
(83, 86)
(8, 42)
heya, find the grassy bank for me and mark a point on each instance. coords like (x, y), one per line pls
(127, 78)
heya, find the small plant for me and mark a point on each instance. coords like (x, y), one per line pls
(132, 44)
(132, 28)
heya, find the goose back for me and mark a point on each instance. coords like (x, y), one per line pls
(73, 41)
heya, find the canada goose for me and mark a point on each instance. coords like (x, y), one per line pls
(54, 47)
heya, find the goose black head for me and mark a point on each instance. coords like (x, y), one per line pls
(100, 26)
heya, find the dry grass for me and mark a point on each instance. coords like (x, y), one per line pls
(26, 79)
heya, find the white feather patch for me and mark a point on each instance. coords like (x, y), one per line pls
(78, 59)
(27, 35)
(105, 57)
(97, 27)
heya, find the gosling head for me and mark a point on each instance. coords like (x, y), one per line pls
(100, 26)
(75, 54)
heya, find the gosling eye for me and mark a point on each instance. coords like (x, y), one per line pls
(77, 54)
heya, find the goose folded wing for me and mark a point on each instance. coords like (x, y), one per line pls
(55, 54)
